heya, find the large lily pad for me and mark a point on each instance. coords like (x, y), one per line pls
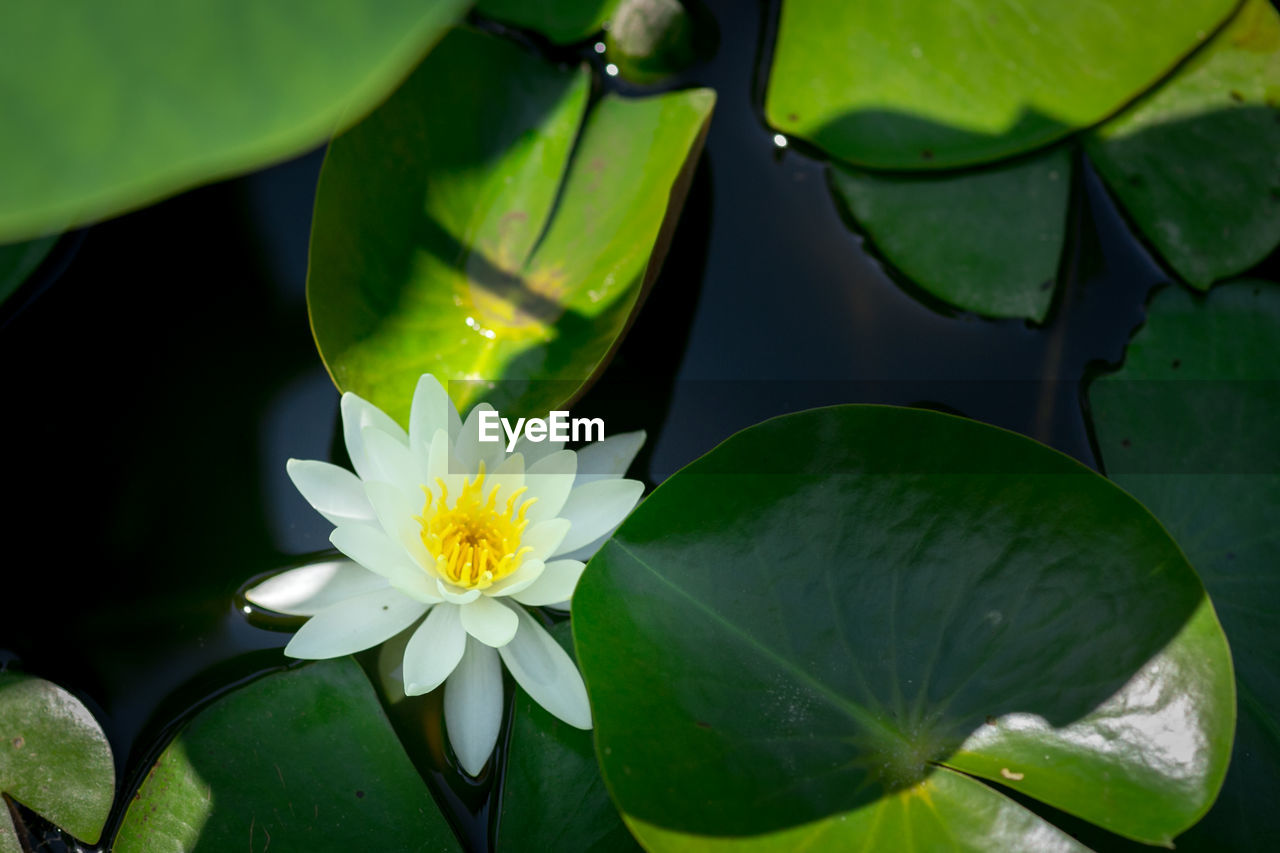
(919, 84)
(300, 760)
(999, 258)
(1189, 426)
(109, 106)
(1194, 162)
(54, 759)
(19, 260)
(561, 21)
(553, 796)
(832, 611)
(454, 233)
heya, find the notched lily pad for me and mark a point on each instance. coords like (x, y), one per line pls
(54, 759)
(1194, 162)
(828, 615)
(477, 227)
(923, 85)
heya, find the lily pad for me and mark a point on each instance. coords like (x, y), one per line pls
(561, 21)
(299, 760)
(1194, 162)
(919, 85)
(833, 610)
(54, 759)
(553, 795)
(1189, 427)
(455, 234)
(19, 260)
(1000, 258)
(114, 105)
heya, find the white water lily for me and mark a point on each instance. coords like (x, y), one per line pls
(463, 533)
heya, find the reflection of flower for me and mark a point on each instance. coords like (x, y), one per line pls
(463, 549)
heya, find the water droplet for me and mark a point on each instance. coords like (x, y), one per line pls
(611, 70)
(598, 47)
(779, 140)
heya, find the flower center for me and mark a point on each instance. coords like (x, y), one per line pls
(475, 542)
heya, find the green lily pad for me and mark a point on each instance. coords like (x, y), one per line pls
(561, 21)
(300, 760)
(1189, 427)
(821, 615)
(918, 84)
(1194, 162)
(19, 260)
(114, 105)
(1000, 258)
(553, 795)
(54, 759)
(454, 234)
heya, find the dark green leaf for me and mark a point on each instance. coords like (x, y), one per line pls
(920, 84)
(651, 39)
(19, 260)
(998, 257)
(54, 759)
(300, 760)
(454, 235)
(809, 620)
(562, 21)
(1190, 427)
(110, 106)
(1194, 162)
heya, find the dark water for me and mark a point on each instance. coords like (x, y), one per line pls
(160, 370)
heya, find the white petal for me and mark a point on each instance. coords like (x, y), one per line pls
(432, 410)
(546, 672)
(490, 621)
(354, 625)
(596, 507)
(608, 459)
(470, 450)
(508, 475)
(550, 480)
(307, 590)
(553, 586)
(373, 549)
(535, 450)
(335, 492)
(545, 537)
(473, 706)
(434, 650)
(521, 578)
(358, 413)
(389, 461)
(443, 465)
(586, 552)
(454, 594)
(396, 513)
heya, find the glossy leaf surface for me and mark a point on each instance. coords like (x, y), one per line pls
(919, 85)
(1194, 162)
(815, 615)
(561, 21)
(300, 760)
(998, 258)
(54, 759)
(553, 795)
(1189, 426)
(110, 106)
(454, 234)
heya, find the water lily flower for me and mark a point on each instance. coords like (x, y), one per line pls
(438, 524)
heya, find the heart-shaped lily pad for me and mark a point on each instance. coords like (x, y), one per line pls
(109, 106)
(54, 759)
(1194, 162)
(299, 760)
(1000, 258)
(471, 229)
(919, 84)
(561, 21)
(1189, 426)
(832, 612)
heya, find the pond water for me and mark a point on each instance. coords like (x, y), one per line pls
(161, 371)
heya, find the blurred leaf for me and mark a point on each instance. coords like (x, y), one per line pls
(561, 21)
(829, 613)
(54, 759)
(455, 235)
(1195, 163)
(114, 105)
(1189, 426)
(999, 257)
(299, 760)
(650, 39)
(919, 85)
(19, 260)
